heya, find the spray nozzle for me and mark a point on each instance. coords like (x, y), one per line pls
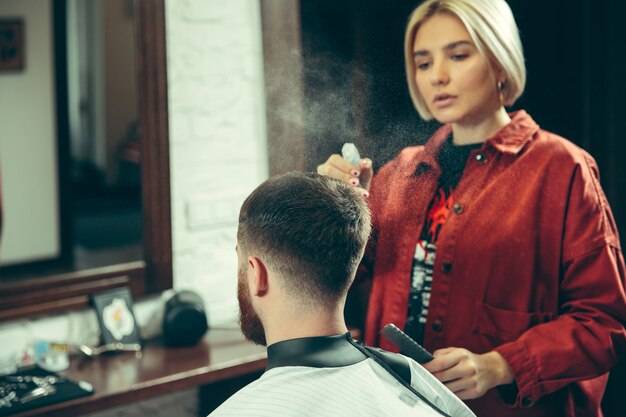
(350, 153)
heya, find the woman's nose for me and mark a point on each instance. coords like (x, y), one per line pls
(439, 74)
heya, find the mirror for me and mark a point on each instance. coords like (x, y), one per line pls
(63, 277)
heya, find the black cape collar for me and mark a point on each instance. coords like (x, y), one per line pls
(316, 352)
(337, 351)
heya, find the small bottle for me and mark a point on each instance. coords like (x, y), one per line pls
(350, 153)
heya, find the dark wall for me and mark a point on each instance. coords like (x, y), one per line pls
(353, 68)
(576, 61)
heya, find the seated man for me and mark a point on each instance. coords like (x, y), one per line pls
(300, 239)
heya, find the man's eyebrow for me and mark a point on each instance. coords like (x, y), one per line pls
(450, 46)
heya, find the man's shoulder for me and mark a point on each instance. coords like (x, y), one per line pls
(241, 401)
(422, 381)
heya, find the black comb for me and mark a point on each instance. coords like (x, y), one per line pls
(408, 346)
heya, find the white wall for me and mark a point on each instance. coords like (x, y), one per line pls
(28, 154)
(217, 139)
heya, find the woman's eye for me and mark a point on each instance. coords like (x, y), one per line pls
(458, 57)
(423, 65)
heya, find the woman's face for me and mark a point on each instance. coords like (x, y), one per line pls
(456, 82)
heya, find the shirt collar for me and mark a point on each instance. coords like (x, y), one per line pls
(317, 352)
(511, 139)
(514, 136)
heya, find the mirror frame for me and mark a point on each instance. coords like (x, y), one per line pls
(61, 292)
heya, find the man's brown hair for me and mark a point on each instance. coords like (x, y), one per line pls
(310, 228)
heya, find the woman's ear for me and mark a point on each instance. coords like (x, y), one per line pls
(498, 72)
(257, 279)
(501, 76)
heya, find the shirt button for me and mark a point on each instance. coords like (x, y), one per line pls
(481, 158)
(458, 208)
(527, 402)
(446, 267)
(437, 326)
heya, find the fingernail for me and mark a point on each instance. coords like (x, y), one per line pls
(366, 163)
(354, 181)
(355, 173)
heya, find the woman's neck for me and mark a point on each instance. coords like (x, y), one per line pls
(468, 133)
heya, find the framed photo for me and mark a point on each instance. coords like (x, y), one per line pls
(114, 309)
(12, 45)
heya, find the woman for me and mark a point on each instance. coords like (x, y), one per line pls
(493, 244)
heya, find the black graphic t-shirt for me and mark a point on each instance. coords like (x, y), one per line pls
(452, 160)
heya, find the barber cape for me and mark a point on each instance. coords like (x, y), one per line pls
(335, 376)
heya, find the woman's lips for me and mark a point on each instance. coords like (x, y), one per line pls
(444, 100)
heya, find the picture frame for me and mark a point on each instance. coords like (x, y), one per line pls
(114, 309)
(12, 45)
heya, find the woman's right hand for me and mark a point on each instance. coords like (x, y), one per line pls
(338, 168)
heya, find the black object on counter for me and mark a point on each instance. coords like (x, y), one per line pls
(36, 387)
(184, 319)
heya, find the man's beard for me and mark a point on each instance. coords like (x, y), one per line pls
(249, 320)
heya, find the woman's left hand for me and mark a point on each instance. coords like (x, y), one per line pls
(467, 374)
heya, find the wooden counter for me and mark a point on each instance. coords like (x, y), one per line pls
(125, 377)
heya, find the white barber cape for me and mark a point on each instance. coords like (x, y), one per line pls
(328, 376)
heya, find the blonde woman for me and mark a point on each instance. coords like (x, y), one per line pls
(493, 244)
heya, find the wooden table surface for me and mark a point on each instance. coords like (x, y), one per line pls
(126, 377)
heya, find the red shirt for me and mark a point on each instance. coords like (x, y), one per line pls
(528, 264)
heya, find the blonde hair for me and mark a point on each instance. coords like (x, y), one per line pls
(491, 26)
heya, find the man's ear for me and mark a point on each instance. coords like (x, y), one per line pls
(258, 279)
